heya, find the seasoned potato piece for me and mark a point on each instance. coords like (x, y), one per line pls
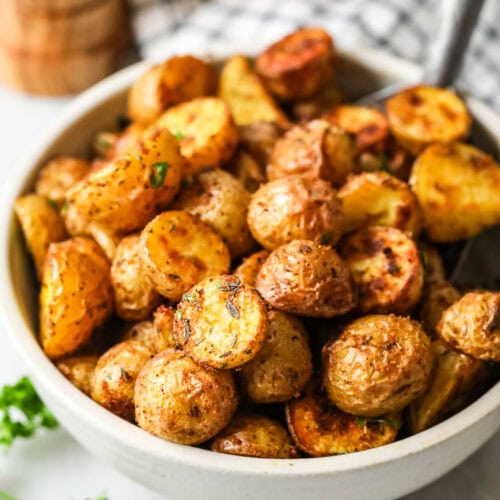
(179, 250)
(247, 271)
(179, 79)
(127, 141)
(259, 138)
(221, 323)
(472, 325)
(377, 365)
(315, 149)
(178, 400)
(320, 429)
(379, 199)
(437, 297)
(115, 374)
(454, 383)
(78, 370)
(205, 131)
(295, 208)
(458, 188)
(220, 200)
(368, 124)
(421, 115)
(142, 331)
(298, 65)
(246, 96)
(76, 295)
(283, 366)
(164, 328)
(248, 171)
(135, 297)
(58, 175)
(306, 278)
(385, 265)
(255, 436)
(41, 225)
(318, 104)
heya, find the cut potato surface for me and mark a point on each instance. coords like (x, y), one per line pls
(221, 323)
(247, 271)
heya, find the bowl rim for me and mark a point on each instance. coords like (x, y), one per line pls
(137, 440)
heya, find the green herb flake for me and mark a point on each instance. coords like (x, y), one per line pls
(179, 135)
(361, 421)
(189, 298)
(326, 238)
(158, 174)
(64, 209)
(52, 203)
(384, 163)
(6, 496)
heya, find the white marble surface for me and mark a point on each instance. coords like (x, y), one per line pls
(53, 466)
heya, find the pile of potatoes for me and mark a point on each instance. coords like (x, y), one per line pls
(250, 265)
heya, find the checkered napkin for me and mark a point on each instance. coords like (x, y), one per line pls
(403, 27)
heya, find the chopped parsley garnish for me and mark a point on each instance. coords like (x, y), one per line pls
(158, 174)
(179, 135)
(52, 203)
(189, 298)
(393, 422)
(326, 238)
(64, 209)
(361, 421)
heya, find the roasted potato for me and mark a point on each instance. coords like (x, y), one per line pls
(283, 366)
(306, 278)
(259, 138)
(41, 225)
(76, 295)
(320, 429)
(221, 323)
(298, 65)
(315, 149)
(178, 79)
(58, 175)
(458, 188)
(220, 200)
(385, 265)
(78, 370)
(379, 199)
(144, 332)
(125, 142)
(247, 271)
(255, 436)
(422, 115)
(378, 365)
(180, 401)
(318, 104)
(178, 250)
(205, 131)
(437, 297)
(295, 208)
(248, 171)
(115, 374)
(472, 325)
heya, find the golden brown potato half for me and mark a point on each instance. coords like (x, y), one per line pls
(58, 175)
(385, 265)
(179, 250)
(315, 149)
(179, 79)
(422, 115)
(283, 366)
(378, 365)
(115, 374)
(379, 199)
(259, 138)
(298, 65)
(320, 429)
(248, 171)
(221, 323)
(472, 325)
(458, 188)
(318, 104)
(306, 278)
(78, 370)
(454, 384)
(205, 131)
(255, 436)
(180, 401)
(135, 296)
(76, 295)
(247, 271)
(247, 97)
(436, 298)
(41, 225)
(220, 200)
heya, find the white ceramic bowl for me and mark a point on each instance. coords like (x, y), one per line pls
(187, 472)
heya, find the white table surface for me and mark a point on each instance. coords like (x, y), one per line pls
(53, 466)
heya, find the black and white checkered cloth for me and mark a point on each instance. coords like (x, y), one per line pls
(402, 27)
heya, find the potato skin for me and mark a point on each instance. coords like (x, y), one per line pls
(163, 322)
(472, 325)
(221, 323)
(306, 278)
(298, 65)
(378, 365)
(76, 295)
(295, 208)
(247, 271)
(283, 365)
(255, 436)
(115, 374)
(180, 401)
(78, 370)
